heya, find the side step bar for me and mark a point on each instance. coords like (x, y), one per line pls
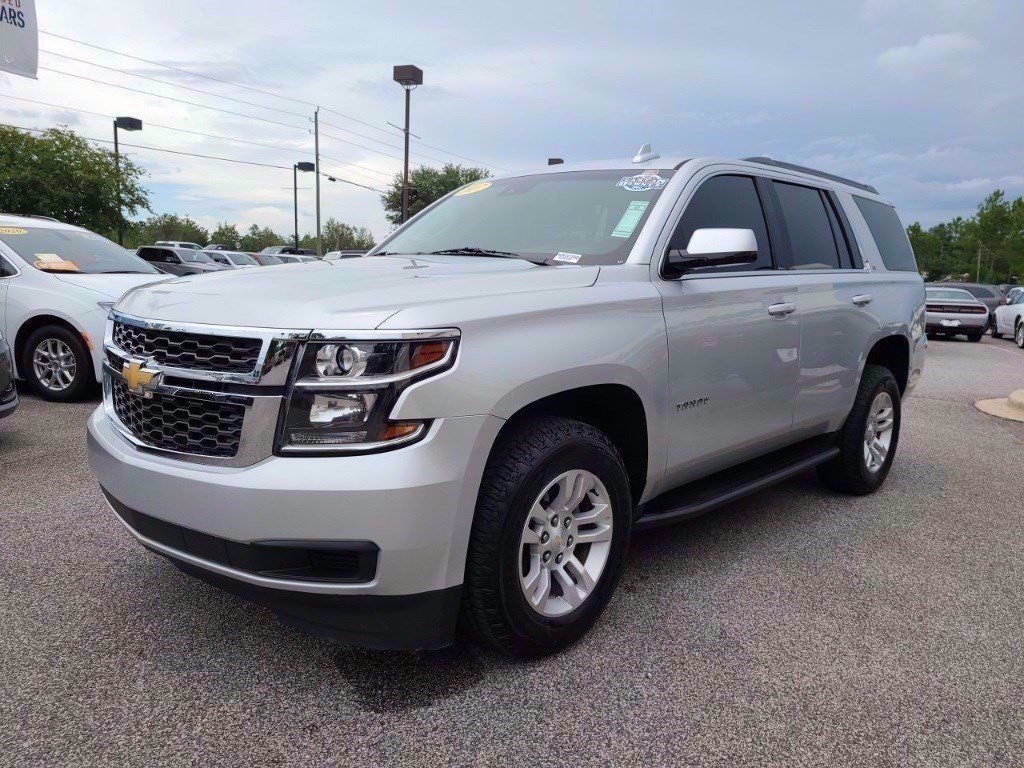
(721, 488)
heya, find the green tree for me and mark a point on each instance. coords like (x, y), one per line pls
(425, 186)
(59, 174)
(166, 226)
(337, 236)
(226, 234)
(257, 238)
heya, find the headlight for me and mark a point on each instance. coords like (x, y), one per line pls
(344, 390)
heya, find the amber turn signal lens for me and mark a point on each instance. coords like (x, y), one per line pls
(427, 353)
(397, 430)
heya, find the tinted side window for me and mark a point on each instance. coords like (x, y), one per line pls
(726, 202)
(889, 235)
(6, 270)
(811, 241)
(149, 254)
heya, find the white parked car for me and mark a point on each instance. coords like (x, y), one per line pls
(57, 283)
(1010, 319)
(233, 259)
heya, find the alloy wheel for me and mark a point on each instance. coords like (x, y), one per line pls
(878, 432)
(1019, 335)
(565, 543)
(54, 364)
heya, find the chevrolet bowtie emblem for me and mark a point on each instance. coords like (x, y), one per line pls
(139, 380)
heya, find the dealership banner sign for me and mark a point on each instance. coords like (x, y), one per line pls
(19, 37)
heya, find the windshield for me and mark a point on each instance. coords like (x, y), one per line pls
(952, 294)
(268, 259)
(71, 250)
(586, 217)
(241, 258)
(196, 257)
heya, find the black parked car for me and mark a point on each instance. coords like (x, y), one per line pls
(8, 392)
(178, 261)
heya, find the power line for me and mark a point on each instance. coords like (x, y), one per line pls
(171, 98)
(368, 149)
(332, 177)
(174, 85)
(206, 135)
(255, 90)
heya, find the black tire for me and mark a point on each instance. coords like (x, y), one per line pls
(83, 382)
(1018, 334)
(848, 472)
(974, 336)
(522, 464)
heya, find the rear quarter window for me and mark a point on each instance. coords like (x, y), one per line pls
(889, 235)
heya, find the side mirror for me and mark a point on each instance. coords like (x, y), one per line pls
(713, 248)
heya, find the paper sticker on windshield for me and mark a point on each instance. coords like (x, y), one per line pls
(634, 212)
(572, 258)
(642, 182)
(479, 186)
(13, 231)
(51, 262)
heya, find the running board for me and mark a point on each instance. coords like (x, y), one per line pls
(724, 487)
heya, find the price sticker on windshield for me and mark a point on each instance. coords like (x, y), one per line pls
(472, 189)
(634, 212)
(13, 231)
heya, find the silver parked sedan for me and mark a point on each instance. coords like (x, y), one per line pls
(954, 311)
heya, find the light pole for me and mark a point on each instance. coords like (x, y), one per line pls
(125, 124)
(305, 168)
(409, 77)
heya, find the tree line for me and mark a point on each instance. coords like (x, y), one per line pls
(59, 174)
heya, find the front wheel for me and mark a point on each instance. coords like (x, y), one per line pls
(57, 364)
(868, 438)
(549, 537)
(1018, 335)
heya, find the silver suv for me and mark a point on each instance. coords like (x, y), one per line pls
(467, 423)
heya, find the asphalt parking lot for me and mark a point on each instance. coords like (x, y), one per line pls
(795, 628)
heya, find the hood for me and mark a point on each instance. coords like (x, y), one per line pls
(108, 286)
(353, 294)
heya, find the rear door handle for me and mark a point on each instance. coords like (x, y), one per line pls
(863, 299)
(781, 310)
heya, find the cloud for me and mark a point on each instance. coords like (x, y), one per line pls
(930, 53)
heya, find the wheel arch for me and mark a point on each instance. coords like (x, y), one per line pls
(892, 352)
(31, 324)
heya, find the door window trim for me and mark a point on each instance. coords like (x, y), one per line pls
(10, 265)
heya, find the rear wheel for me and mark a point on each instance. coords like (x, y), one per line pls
(974, 336)
(868, 439)
(1018, 334)
(57, 364)
(549, 537)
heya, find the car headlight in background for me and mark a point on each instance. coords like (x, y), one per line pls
(345, 389)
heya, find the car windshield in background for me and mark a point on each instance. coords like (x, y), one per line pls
(574, 217)
(949, 294)
(269, 258)
(71, 250)
(196, 257)
(241, 258)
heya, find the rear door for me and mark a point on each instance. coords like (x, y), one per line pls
(835, 303)
(733, 340)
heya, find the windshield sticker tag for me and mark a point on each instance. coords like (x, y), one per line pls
(642, 182)
(13, 231)
(572, 258)
(472, 189)
(49, 258)
(634, 212)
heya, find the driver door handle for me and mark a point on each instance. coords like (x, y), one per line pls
(863, 299)
(781, 310)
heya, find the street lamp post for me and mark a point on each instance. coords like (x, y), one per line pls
(305, 168)
(125, 124)
(409, 77)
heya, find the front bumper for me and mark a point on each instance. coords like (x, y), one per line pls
(415, 504)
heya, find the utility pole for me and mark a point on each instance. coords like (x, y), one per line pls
(295, 200)
(405, 164)
(316, 149)
(977, 277)
(125, 124)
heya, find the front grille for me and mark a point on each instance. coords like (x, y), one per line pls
(202, 427)
(200, 352)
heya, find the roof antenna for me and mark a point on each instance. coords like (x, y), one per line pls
(644, 154)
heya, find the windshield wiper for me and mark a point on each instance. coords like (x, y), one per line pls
(117, 272)
(472, 251)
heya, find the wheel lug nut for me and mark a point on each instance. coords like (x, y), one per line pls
(544, 537)
(547, 556)
(569, 541)
(558, 559)
(567, 522)
(554, 520)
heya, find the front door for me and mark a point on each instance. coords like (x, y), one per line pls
(733, 342)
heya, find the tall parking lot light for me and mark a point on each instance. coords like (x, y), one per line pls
(305, 168)
(125, 124)
(409, 77)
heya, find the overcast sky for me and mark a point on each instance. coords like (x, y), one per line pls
(925, 99)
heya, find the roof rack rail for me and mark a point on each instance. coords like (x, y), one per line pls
(812, 172)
